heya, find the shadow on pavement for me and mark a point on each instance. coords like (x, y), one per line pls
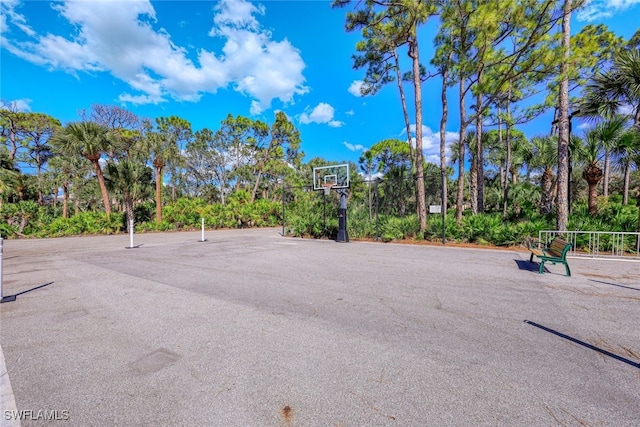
(614, 284)
(585, 344)
(528, 266)
(9, 298)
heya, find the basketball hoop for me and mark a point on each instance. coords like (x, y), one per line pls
(326, 187)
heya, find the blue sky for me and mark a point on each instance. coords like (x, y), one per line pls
(202, 60)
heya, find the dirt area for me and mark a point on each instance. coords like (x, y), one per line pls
(517, 248)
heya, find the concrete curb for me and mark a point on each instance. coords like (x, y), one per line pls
(7, 400)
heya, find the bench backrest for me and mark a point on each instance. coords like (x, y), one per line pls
(559, 247)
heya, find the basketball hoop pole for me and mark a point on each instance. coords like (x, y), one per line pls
(326, 190)
(324, 211)
(343, 235)
(334, 177)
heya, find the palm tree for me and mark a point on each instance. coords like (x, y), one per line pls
(609, 132)
(542, 156)
(625, 152)
(65, 170)
(368, 165)
(497, 156)
(9, 176)
(90, 140)
(575, 145)
(628, 65)
(611, 90)
(131, 178)
(590, 155)
(163, 147)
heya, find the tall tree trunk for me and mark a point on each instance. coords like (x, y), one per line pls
(607, 173)
(222, 185)
(627, 179)
(593, 198)
(563, 122)
(546, 198)
(461, 142)
(443, 138)
(473, 181)
(504, 172)
(65, 200)
(403, 101)
(128, 208)
(257, 184)
(569, 181)
(39, 181)
(407, 122)
(592, 174)
(505, 196)
(638, 225)
(159, 193)
(12, 137)
(417, 84)
(479, 153)
(103, 187)
(370, 193)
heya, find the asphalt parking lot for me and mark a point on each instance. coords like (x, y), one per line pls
(253, 329)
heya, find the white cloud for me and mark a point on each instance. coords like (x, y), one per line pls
(626, 109)
(584, 126)
(353, 147)
(237, 14)
(139, 99)
(356, 87)
(350, 113)
(598, 9)
(322, 113)
(125, 42)
(431, 142)
(23, 105)
(8, 9)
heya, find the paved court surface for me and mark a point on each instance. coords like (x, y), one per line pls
(253, 329)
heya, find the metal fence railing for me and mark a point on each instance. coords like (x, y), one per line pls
(598, 244)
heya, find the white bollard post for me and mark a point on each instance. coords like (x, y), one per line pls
(2, 297)
(130, 233)
(1, 243)
(202, 239)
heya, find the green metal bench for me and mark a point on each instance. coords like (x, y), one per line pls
(555, 253)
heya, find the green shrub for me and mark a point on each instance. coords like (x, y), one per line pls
(359, 225)
(22, 218)
(308, 217)
(86, 223)
(144, 212)
(152, 225)
(184, 213)
(398, 228)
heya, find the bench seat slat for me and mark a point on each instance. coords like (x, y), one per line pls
(553, 253)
